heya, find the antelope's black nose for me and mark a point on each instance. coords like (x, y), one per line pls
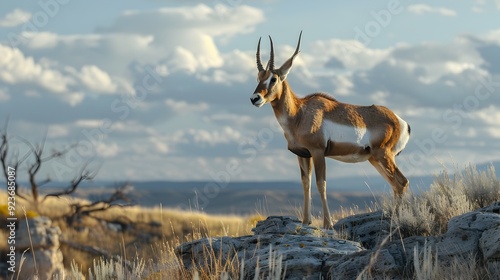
(255, 98)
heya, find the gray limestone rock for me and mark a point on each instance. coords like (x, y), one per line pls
(490, 244)
(43, 235)
(284, 246)
(44, 246)
(368, 228)
(301, 250)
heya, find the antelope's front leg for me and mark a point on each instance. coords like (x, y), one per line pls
(320, 171)
(305, 175)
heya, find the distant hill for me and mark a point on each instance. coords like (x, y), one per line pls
(249, 197)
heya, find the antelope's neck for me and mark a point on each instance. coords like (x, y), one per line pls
(287, 106)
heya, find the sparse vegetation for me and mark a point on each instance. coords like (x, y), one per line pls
(449, 196)
(34, 157)
(426, 266)
(145, 238)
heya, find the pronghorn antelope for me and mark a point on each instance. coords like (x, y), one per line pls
(319, 126)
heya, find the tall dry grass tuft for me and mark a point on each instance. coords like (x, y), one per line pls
(427, 266)
(449, 196)
(481, 187)
(425, 263)
(109, 269)
(428, 213)
(414, 217)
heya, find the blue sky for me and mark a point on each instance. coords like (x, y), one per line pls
(78, 69)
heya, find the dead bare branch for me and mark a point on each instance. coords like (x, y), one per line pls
(119, 198)
(37, 158)
(83, 175)
(4, 153)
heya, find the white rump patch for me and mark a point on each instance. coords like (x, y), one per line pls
(403, 138)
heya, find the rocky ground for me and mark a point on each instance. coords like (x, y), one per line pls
(283, 246)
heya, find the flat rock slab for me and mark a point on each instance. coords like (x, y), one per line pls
(300, 250)
(284, 248)
(368, 228)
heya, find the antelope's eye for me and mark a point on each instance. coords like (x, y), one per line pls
(273, 80)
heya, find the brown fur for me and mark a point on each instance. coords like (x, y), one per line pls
(302, 119)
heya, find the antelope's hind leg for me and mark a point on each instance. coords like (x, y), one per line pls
(386, 166)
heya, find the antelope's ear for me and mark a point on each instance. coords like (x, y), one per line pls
(285, 68)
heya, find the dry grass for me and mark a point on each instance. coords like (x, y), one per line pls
(427, 266)
(148, 246)
(134, 232)
(448, 196)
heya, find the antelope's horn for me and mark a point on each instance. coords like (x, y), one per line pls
(271, 58)
(297, 50)
(257, 55)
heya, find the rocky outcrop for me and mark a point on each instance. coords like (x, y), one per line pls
(368, 228)
(44, 245)
(305, 252)
(301, 250)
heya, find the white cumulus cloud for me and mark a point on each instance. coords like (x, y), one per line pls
(420, 9)
(353, 54)
(107, 150)
(57, 131)
(96, 79)
(15, 18)
(180, 106)
(480, 6)
(15, 67)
